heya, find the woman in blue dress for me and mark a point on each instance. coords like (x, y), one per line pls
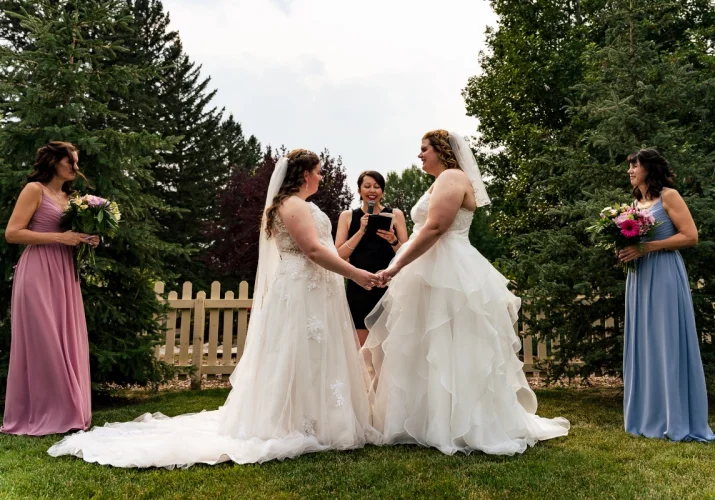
(664, 393)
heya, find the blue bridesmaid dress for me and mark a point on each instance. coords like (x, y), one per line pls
(664, 393)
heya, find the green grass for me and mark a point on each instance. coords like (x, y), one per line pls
(597, 460)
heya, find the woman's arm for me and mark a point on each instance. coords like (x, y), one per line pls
(344, 245)
(299, 223)
(26, 206)
(400, 228)
(687, 235)
(446, 199)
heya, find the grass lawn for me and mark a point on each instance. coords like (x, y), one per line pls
(597, 460)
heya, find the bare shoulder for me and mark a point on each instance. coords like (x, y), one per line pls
(398, 213)
(31, 193)
(452, 181)
(671, 199)
(670, 194)
(345, 216)
(33, 189)
(452, 175)
(291, 206)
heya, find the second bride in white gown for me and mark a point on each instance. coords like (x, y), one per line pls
(442, 339)
(300, 385)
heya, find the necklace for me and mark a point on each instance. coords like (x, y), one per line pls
(57, 197)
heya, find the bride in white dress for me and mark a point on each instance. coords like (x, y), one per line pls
(442, 339)
(300, 385)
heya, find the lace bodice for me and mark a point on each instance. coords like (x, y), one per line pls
(295, 265)
(322, 224)
(460, 226)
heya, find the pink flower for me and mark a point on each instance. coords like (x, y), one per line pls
(95, 201)
(621, 218)
(629, 228)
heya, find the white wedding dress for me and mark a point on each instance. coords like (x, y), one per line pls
(299, 387)
(445, 353)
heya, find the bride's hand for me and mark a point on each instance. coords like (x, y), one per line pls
(386, 275)
(365, 279)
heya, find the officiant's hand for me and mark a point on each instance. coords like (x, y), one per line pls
(363, 223)
(388, 236)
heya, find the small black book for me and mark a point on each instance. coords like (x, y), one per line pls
(379, 221)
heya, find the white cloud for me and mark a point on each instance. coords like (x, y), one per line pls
(364, 79)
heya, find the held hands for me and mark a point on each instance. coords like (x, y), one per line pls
(365, 279)
(70, 238)
(631, 253)
(385, 276)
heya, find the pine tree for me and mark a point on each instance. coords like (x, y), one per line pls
(177, 102)
(642, 75)
(60, 86)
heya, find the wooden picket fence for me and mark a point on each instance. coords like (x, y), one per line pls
(206, 335)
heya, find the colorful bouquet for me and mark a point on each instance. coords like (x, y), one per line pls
(93, 215)
(620, 226)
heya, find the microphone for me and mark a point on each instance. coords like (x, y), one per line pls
(370, 207)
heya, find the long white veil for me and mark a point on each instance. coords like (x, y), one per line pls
(468, 164)
(268, 255)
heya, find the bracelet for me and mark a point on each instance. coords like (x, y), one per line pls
(348, 245)
(352, 275)
(397, 240)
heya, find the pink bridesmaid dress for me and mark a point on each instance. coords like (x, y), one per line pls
(48, 385)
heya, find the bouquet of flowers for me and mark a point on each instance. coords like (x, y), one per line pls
(620, 226)
(93, 215)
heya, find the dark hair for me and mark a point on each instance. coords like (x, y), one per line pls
(299, 161)
(46, 160)
(439, 140)
(659, 175)
(379, 179)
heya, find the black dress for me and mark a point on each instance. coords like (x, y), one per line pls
(371, 254)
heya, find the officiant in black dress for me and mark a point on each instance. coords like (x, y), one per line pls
(366, 247)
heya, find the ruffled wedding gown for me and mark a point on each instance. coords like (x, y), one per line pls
(299, 387)
(444, 348)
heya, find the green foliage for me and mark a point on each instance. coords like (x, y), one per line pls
(596, 460)
(176, 101)
(631, 74)
(63, 83)
(403, 190)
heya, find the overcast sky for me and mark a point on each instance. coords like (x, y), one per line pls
(364, 79)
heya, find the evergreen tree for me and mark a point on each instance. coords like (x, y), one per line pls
(642, 77)
(59, 87)
(177, 102)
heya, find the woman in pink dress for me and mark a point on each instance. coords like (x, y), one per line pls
(48, 385)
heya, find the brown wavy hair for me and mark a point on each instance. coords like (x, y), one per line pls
(299, 161)
(658, 175)
(46, 160)
(439, 140)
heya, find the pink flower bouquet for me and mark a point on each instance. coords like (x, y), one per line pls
(93, 215)
(620, 226)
